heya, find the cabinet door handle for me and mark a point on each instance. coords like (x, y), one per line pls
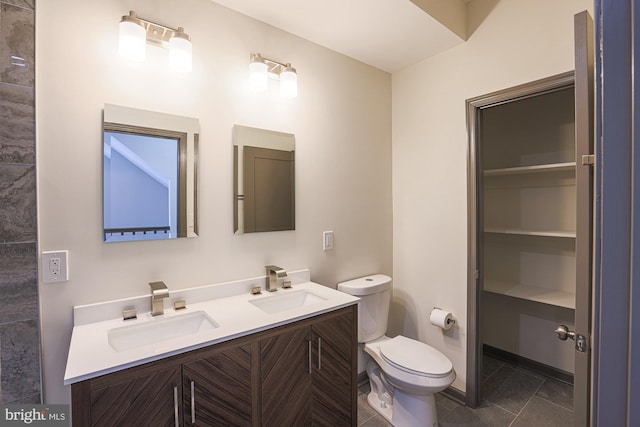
(310, 357)
(175, 406)
(193, 402)
(319, 354)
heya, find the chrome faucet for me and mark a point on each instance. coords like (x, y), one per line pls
(159, 292)
(275, 275)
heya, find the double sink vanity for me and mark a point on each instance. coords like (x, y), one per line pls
(218, 355)
(256, 352)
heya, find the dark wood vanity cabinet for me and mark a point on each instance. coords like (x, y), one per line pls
(335, 374)
(285, 378)
(132, 397)
(218, 389)
(318, 362)
(303, 373)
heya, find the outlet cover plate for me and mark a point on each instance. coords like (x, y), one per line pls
(59, 273)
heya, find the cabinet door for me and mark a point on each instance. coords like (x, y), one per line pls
(134, 397)
(286, 378)
(333, 382)
(217, 389)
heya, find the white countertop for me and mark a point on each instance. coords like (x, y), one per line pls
(91, 355)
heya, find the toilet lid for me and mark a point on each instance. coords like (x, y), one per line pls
(415, 357)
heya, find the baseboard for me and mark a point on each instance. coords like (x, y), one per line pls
(456, 395)
(531, 365)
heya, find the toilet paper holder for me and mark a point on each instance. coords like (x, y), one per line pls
(448, 319)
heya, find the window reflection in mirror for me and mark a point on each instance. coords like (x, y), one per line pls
(149, 175)
(264, 180)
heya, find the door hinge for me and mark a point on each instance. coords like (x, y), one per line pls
(588, 159)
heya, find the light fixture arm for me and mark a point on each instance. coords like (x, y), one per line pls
(274, 68)
(157, 34)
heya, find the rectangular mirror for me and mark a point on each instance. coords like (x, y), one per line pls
(263, 180)
(149, 175)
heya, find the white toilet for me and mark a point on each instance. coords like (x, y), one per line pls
(404, 373)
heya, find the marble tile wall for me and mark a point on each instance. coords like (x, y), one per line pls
(20, 378)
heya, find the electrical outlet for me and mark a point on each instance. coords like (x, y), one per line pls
(55, 266)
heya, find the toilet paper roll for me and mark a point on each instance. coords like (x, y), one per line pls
(442, 319)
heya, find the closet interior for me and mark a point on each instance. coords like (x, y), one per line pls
(528, 214)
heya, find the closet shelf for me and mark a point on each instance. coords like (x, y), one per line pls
(528, 232)
(532, 293)
(550, 167)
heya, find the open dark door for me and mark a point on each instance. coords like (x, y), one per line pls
(269, 189)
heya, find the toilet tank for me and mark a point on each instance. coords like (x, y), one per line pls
(373, 308)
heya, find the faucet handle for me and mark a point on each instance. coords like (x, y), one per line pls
(129, 313)
(159, 289)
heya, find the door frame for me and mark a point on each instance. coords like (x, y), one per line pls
(616, 324)
(475, 215)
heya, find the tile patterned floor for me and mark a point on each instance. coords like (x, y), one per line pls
(513, 397)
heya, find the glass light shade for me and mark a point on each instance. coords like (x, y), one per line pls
(180, 57)
(288, 83)
(133, 39)
(258, 76)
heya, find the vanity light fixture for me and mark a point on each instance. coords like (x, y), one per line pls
(261, 69)
(135, 32)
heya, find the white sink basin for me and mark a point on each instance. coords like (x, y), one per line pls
(159, 329)
(286, 301)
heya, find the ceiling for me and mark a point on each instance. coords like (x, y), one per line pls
(387, 34)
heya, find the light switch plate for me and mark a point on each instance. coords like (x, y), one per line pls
(55, 266)
(327, 240)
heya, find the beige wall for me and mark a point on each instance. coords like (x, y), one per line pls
(515, 41)
(341, 119)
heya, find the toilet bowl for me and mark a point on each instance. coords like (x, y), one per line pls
(404, 373)
(414, 372)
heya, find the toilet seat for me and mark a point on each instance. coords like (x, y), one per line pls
(415, 357)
